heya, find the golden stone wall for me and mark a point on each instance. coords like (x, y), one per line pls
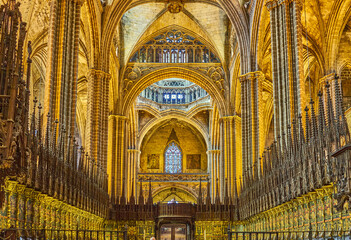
(190, 142)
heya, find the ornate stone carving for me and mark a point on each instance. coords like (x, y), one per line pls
(175, 6)
(211, 71)
(171, 177)
(215, 73)
(133, 74)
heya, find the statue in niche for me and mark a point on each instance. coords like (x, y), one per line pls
(193, 161)
(153, 161)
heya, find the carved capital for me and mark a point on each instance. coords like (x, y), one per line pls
(97, 74)
(118, 117)
(252, 76)
(227, 118)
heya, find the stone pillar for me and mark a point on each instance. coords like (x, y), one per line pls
(116, 168)
(97, 117)
(214, 151)
(214, 158)
(232, 152)
(229, 152)
(132, 161)
(287, 62)
(238, 151)
(62, 65)
(252, 119)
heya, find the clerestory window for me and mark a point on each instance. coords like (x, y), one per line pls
(174, 46)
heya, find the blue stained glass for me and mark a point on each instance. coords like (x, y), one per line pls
(173, 159)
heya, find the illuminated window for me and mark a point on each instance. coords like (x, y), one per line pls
(173, 158)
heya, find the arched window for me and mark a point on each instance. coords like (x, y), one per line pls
(173, 158)
(174, 46)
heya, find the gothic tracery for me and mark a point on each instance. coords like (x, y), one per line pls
(234, 106)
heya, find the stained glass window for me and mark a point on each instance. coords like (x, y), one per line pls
(173, 158)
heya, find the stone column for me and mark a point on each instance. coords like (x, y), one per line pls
(62, 65)
(116, 154)
(287, 63)
(238, 150)
(132, 162)
(97, 117)
(252, 118)
(215, 152)
(214, 158)
(229, 151)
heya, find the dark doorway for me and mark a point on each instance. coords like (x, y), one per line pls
(173, 232)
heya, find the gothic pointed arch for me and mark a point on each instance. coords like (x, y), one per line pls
(114, 13)
(210, 78)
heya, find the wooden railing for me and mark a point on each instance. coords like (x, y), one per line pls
(176, 209)
(77, 234)
(291, 235)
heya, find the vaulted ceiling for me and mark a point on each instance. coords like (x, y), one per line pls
(327, 24)
(207, 20)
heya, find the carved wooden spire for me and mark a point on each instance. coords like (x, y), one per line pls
(141, 194)
(123, 197)
(199, 198)
(132, 197)
(150, 199)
